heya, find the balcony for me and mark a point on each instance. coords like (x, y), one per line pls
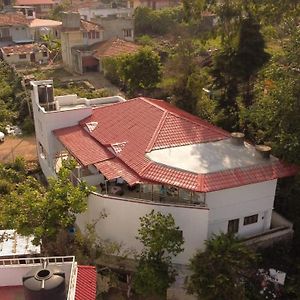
(144, 191)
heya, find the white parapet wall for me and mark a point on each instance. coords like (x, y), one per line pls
(122, 222)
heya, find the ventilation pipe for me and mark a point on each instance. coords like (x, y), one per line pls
(237, 138)
(263, 151)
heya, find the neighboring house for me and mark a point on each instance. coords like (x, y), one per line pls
(15, 245)
(117, 27)
(14, 28)
(83, 42)
(40, 27)
(19, 28)
(25, 54)
(91, 58)
(41, 7)
(153, 4)
(145, 154)
(88, 13)
(58, 278)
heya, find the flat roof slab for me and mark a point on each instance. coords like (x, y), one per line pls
(209, 157)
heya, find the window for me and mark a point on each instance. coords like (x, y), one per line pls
(22, 56)
(45, 54)
(97, 34)
(251, 219)
(127, 32)
(233, 226)
(4, 32)
(30, 13)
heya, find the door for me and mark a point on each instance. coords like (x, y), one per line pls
(32, 57)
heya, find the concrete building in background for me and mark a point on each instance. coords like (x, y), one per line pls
(145, 154)
(19, 27)
(89, 14)
(153, 4)
(41, 8)
(85, 43)
(25, 54)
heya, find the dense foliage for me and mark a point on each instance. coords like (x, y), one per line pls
(137, 72)
(32, 209)
(13, 100)
(222, 270)
(162, 240)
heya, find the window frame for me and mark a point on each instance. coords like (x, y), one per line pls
(248, 220)
(233, 226)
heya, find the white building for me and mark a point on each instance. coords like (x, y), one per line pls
(54, 278)
(89, 13)
(145, 154)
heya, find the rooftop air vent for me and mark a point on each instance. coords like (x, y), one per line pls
(263, 150)
(237, 138)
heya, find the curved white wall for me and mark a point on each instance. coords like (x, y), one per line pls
(122, 222)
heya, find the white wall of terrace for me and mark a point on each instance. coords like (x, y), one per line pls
(122, 221)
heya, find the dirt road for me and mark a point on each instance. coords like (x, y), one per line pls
(18, 146)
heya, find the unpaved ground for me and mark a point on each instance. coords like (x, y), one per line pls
(96, 79)
(18, 146)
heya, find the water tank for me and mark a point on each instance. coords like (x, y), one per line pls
(42, 94)
(44, 283)
(46, 97)
(49, 92)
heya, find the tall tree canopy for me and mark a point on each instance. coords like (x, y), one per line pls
(221, 270)
(31, 209)
(162, 239)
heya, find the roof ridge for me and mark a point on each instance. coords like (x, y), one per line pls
(157, 131)
(205, 123)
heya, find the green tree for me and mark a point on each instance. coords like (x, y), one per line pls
(141, 71)
(162, 240)
(31, 209)
(57, 11)
(221, 270)
(157, 22)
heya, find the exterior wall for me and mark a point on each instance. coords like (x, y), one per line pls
(15, 59)
(20, 33)
(151, 4)
(114, 27)
(68, 40)
(37, 32)
(240, 202)
(87, 41)
(122, 222)
(90, 13)
(45, 123)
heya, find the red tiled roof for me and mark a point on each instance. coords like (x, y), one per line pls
(141, 125)
(34, 2)
(86, 283)
(90, 26)
(114, 47)
(114, 168)
(10, 19)
(80, 144)
(21, 49)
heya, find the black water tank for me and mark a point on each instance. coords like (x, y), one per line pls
(45, 283)
(42, 92)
